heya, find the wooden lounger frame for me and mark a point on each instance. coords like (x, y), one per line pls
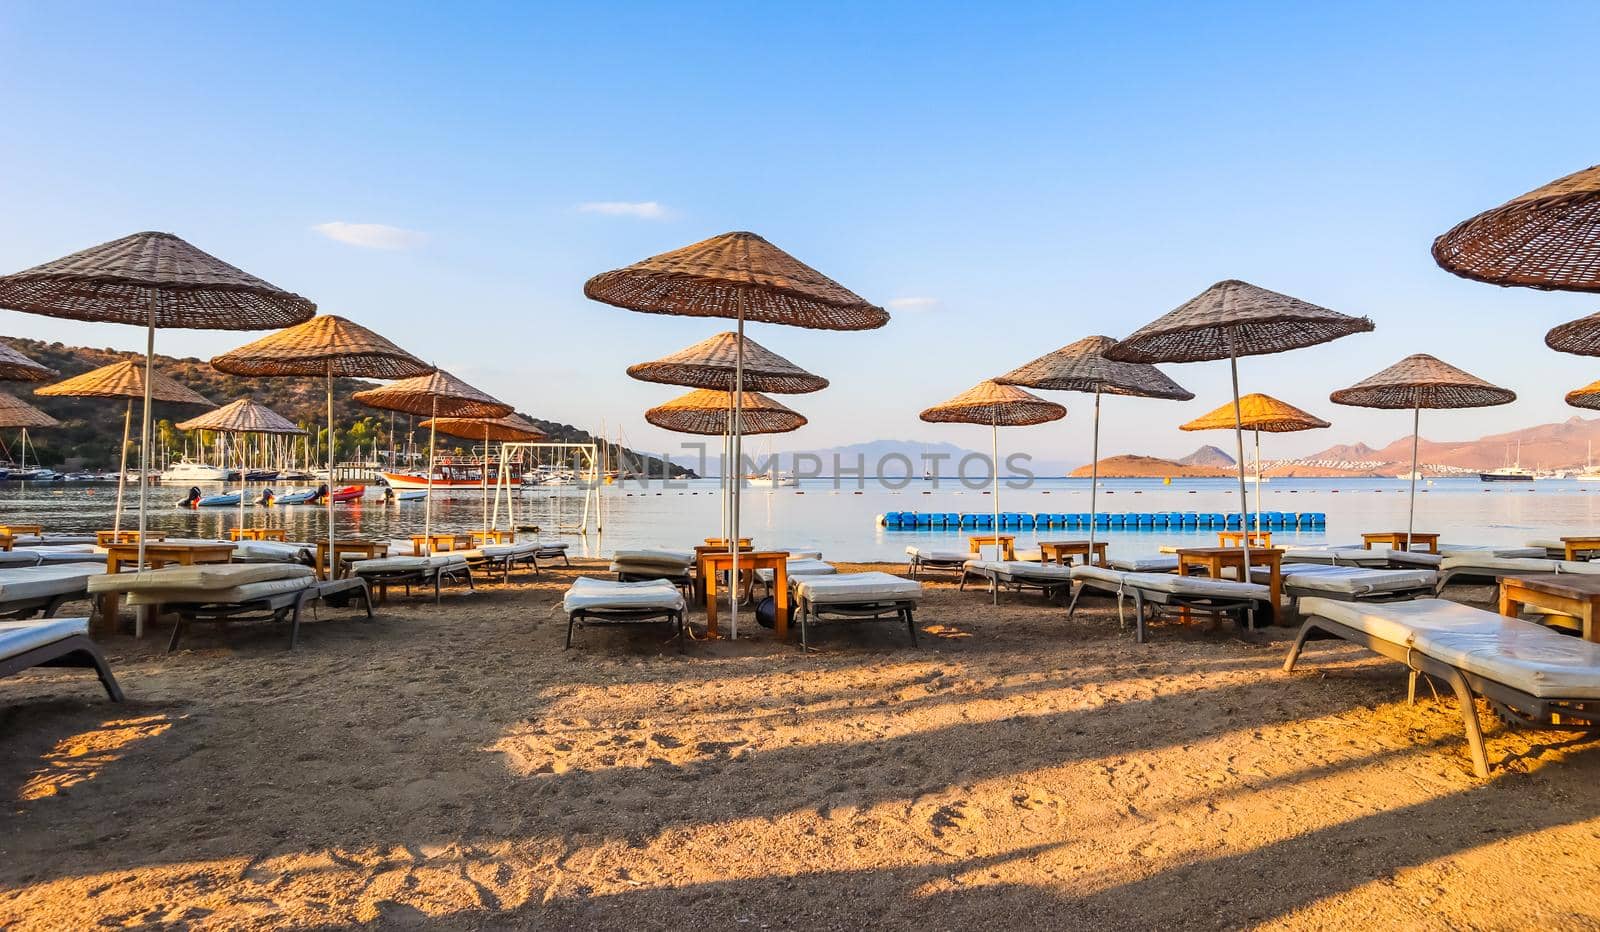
(628, 616)
(1514, 705)
(74, 651)
(808, 613)
(273, 607)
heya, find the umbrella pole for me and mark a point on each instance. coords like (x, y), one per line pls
(1258, 473)
(1094, 473)
(1411, 508)
(243, 471)
(122, 470)
(738, 456)
(994, 478)
(1238, 443)
(427, 513)
(333, 561)
(144, 432)
(483, 479)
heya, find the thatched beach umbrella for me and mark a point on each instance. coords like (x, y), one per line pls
(15, 367)
(1587, 397)
(1417, 382)
(1548, 238)
(1083, 367)
(508, 429)
(437, 394)
(1232, 319)
(714, 363)
(123, 380)
(241, 416)
(1259, 413)
(743, 277)
(14, 412)
(328, 346)
(152, 280)
(997, 406)
(707, 411)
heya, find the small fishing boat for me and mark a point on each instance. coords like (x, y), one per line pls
(300, 496)
(223, 500)
(349, 493)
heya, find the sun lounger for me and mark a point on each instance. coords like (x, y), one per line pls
(25, 590)
(796, 568)
(1048, 578)
(383, 572)
(1350, 583)
(274, 599)
(58, 642)
(604, 602)
(1532, 675)
(272, 551)
(1469, 568)
(1211, 596)
(1417, 558)
(1337, 556)
(925, 560)
(552, 550)
(856, 597)
(674, 566)
(504, 557)
(51, 540)
(1164, 563)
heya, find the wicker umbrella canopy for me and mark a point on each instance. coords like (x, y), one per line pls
(14, 412)
(325, 345)
(508, 429)
(15, 367)
(1083, 367)
(241, 416)
(995, 405)
(437, 394)
(153, 280)
(1258, 412)
(1423, 381)
(1579, 337)
(708, 411)
(123, 380)
(1585, 397)
(713, 363)
(1416, 382)
(1548, 238)
(736, 275)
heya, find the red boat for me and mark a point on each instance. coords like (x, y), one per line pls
(349, 493)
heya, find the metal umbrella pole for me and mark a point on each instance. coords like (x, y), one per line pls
(994, 473)
(144, 431)
(1238, 443)
(333, 563)
(1411, 508)
(427, 512)
(1094, 474)
(738, 457)
(122, 470)
(1258, 474)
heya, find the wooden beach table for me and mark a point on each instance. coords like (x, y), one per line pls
(1581, 544)
(367, 549)
(433, 543)
(21, 530)
(1575, 595)
(156, 555)
(1235, 538)
(1006, 542)
(107, 538)
(775, 560)
(1062, 552)
(7, 541)
(1215, 559)
(1397, 540)
(492, 536)
(258, 533)
(718, 546)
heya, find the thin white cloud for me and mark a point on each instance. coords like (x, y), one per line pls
(643, 210)
(371, 235)
(913, 303)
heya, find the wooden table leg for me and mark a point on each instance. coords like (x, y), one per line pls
(1510, 607)
(1589, 632)
(711, 603)
(780, 600)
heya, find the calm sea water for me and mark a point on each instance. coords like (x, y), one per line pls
(842, 521)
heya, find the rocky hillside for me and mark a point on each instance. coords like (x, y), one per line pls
(1208, 456)
(91, 427)
(1129, 466)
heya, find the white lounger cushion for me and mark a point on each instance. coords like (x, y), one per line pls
(19, 637)
(1166, 563)
(589, 593)
(202, 576)
(34, 540)
(404, 564)
(1520, 654)
(1337, 556)
(1173, 584)
(664, 570)
(940, 556)
(270, 551)
(800, 566)
(500, 551)
(852, 588)
(34, 556)
(1018, 569)
(1490, 565)
(1350, 580)
(18, 583)
(18, 558)
(248, 592)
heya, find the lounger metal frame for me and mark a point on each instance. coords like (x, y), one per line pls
(74, 651)
(1513, 704)
(627, 616)
(273, 607)
(1011, 581)
(24, 608)
(808, 613)
(684, 581)
(381, 580)
(550, 553)
(1243, 610)
(922, 564)
(504, 562)
(1296, 593)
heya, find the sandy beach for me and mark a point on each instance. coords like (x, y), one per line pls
(454, 768)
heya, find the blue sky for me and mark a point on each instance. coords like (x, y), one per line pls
(1006, 178)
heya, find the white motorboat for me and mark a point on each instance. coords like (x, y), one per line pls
(771, 480)
(186, 471)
